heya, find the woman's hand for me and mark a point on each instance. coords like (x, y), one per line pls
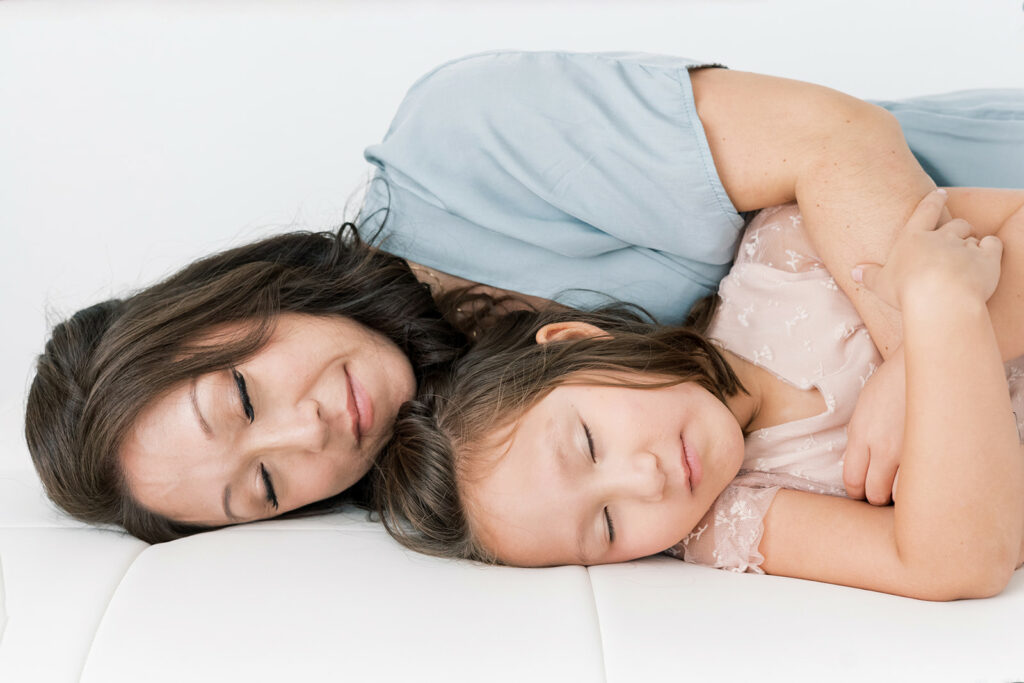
(929, 258)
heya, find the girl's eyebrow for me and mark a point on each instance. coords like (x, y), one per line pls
(203, 424)
(226, 501)
(581, 528)
(581, 553)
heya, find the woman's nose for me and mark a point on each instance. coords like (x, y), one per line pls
(638, 476)
(299, 429)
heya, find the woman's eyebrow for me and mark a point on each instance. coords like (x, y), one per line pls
(203, 424)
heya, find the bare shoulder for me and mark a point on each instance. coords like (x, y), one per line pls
(763, 131)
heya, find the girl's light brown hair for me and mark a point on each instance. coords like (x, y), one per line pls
(417, 481)
(103, 365)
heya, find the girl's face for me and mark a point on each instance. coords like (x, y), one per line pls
(599, 474)
(299, 421)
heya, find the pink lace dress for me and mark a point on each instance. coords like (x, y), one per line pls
(782, 311)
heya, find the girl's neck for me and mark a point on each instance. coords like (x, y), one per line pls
(745, 406)
(770, 400)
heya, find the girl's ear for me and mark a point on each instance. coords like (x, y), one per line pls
(568, 330)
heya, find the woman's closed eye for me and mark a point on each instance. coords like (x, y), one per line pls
(593, 456)
(243, 394)
(268, 485)
(590, 441)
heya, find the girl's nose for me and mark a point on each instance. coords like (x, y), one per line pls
(639, 477)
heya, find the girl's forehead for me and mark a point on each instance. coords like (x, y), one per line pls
(513, 492)
(477, 457)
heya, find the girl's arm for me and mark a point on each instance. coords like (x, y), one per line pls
(848, 166)
(956, 528)
(876, 429)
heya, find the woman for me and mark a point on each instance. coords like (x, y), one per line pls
(530, 172)
(174, 410)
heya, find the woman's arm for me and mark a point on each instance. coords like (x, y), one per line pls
(847, 165)
(843, 160)
(957, 526)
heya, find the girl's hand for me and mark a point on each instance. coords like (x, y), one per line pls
(875, 435)
(934, 258)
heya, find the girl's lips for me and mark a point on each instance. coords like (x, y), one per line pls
(363, 407)
(691, 464)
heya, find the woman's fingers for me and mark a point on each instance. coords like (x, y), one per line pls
(866, 273)
(928, 212)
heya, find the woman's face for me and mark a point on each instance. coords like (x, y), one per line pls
(299, 421)
(599, 474)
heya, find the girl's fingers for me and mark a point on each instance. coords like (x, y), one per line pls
(855, 468)
(958, 227)
(991, 243)
(878, 483)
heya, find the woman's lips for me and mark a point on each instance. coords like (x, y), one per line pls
(691, 464)
(363, 407)
(351, 408)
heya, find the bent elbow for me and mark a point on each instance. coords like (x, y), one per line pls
(984, 580)
(883, 127)
(997, 578)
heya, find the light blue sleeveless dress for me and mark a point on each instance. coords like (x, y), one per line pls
(579, 177)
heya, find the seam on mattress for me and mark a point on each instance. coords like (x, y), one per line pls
(3, 604)
(103, 615)
(597, 619)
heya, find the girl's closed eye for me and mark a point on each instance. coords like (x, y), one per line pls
(243, 394)
(593, 456)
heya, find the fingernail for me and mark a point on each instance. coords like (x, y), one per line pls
(857, 274)
(941, 191)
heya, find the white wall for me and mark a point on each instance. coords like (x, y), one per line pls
(135, 136)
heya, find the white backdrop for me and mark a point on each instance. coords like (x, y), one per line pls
(137, 135)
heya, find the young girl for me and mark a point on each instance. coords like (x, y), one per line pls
(568, 438)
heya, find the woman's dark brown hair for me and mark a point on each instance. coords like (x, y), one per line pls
(418, 480)
(103, 365)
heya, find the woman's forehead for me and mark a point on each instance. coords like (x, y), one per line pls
(166, 457)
